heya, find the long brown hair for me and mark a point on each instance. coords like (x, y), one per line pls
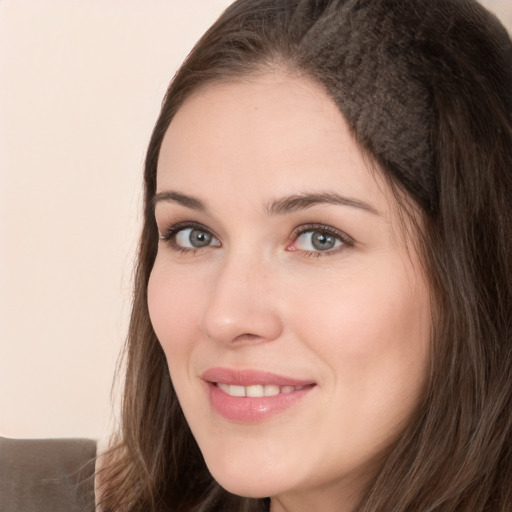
(426, 88)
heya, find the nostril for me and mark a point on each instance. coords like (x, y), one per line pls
(241, 338)
(247, 337)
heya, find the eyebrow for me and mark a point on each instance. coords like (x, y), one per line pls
(289, 204)
(177, 197)
(298, 202)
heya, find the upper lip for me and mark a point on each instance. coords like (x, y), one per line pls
(250, 377)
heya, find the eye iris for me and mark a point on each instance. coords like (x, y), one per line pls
(322, 241)
(198, 238)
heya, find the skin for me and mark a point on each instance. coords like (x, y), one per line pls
(354, 319)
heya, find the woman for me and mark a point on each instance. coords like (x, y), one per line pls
(322, 303)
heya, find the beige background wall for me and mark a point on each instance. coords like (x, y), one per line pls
(80, 88)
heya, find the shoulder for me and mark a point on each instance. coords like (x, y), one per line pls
(47, 475)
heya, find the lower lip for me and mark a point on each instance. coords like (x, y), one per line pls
(253, 409)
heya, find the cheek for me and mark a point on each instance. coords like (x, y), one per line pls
(173, 305)
(372, 328)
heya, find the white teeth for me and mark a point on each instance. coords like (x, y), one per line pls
(256, 390)
(271, 390)
(224, 387)
(236, 390)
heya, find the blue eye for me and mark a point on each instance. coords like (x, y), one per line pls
(319, 239)
(186, 237)
(193, 238)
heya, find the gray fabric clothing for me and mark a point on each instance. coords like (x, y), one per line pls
(47, 475)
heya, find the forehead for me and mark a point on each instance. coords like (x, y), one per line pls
(266, 126)
(245, 143)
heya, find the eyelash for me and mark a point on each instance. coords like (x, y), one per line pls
(345, 240)
(169, 237)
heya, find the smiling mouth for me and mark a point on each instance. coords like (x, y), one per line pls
(251, 396)
(256, 390)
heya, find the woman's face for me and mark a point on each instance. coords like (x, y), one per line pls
(284, 274)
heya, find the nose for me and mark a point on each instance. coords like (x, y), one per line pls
(242, 305)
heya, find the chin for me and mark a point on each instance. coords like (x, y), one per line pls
(242, 487)
(248, 482)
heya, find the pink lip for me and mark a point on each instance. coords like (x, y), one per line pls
(250, 377)
(251, 409)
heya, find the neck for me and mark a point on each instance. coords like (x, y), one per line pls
(321, 502)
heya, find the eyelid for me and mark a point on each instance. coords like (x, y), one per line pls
(170, 232)
(346, 240)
